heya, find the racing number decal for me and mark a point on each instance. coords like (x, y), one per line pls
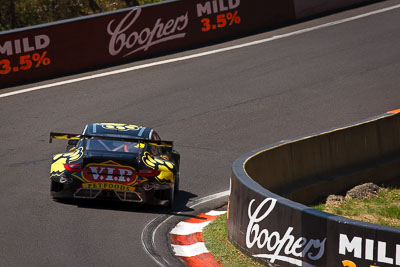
(120, 127)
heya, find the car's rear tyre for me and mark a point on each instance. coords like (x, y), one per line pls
(169, 195)
(53, 188)
(176, 186)
(56, 187)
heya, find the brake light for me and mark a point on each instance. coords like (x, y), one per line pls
(73, 167)
(148, 172)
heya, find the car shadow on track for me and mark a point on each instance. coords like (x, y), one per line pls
(182, 198)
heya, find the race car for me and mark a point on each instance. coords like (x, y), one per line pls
(116, 161)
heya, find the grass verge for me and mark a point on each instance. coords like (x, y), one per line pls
(216, 240)
(383, 209)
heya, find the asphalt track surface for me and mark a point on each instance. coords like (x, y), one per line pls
(215, 108)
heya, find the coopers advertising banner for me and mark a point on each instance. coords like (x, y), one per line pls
(122, 36)
(278, 232)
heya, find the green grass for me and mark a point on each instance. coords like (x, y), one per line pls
(216, 240)
(383, 209)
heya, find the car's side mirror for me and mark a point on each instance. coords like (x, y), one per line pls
(72, 142)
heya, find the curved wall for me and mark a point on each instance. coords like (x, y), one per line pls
(267, 222)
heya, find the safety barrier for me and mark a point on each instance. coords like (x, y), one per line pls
(125, 35)
(90, 42)
(267, 221)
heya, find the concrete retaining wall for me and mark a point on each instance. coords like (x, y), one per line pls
(267, 222)
(321, 162)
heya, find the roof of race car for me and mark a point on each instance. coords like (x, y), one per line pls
(117, 129)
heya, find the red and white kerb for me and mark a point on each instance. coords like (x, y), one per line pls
(187, 241)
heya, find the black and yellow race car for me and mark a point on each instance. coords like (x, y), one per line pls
(116, 161)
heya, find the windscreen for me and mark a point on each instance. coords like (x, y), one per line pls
(112, 145)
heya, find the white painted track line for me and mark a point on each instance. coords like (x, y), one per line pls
(105, 74)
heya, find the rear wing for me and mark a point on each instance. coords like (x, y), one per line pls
(69, 136)
(64, 136)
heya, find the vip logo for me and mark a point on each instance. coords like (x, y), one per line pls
(110, 172)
